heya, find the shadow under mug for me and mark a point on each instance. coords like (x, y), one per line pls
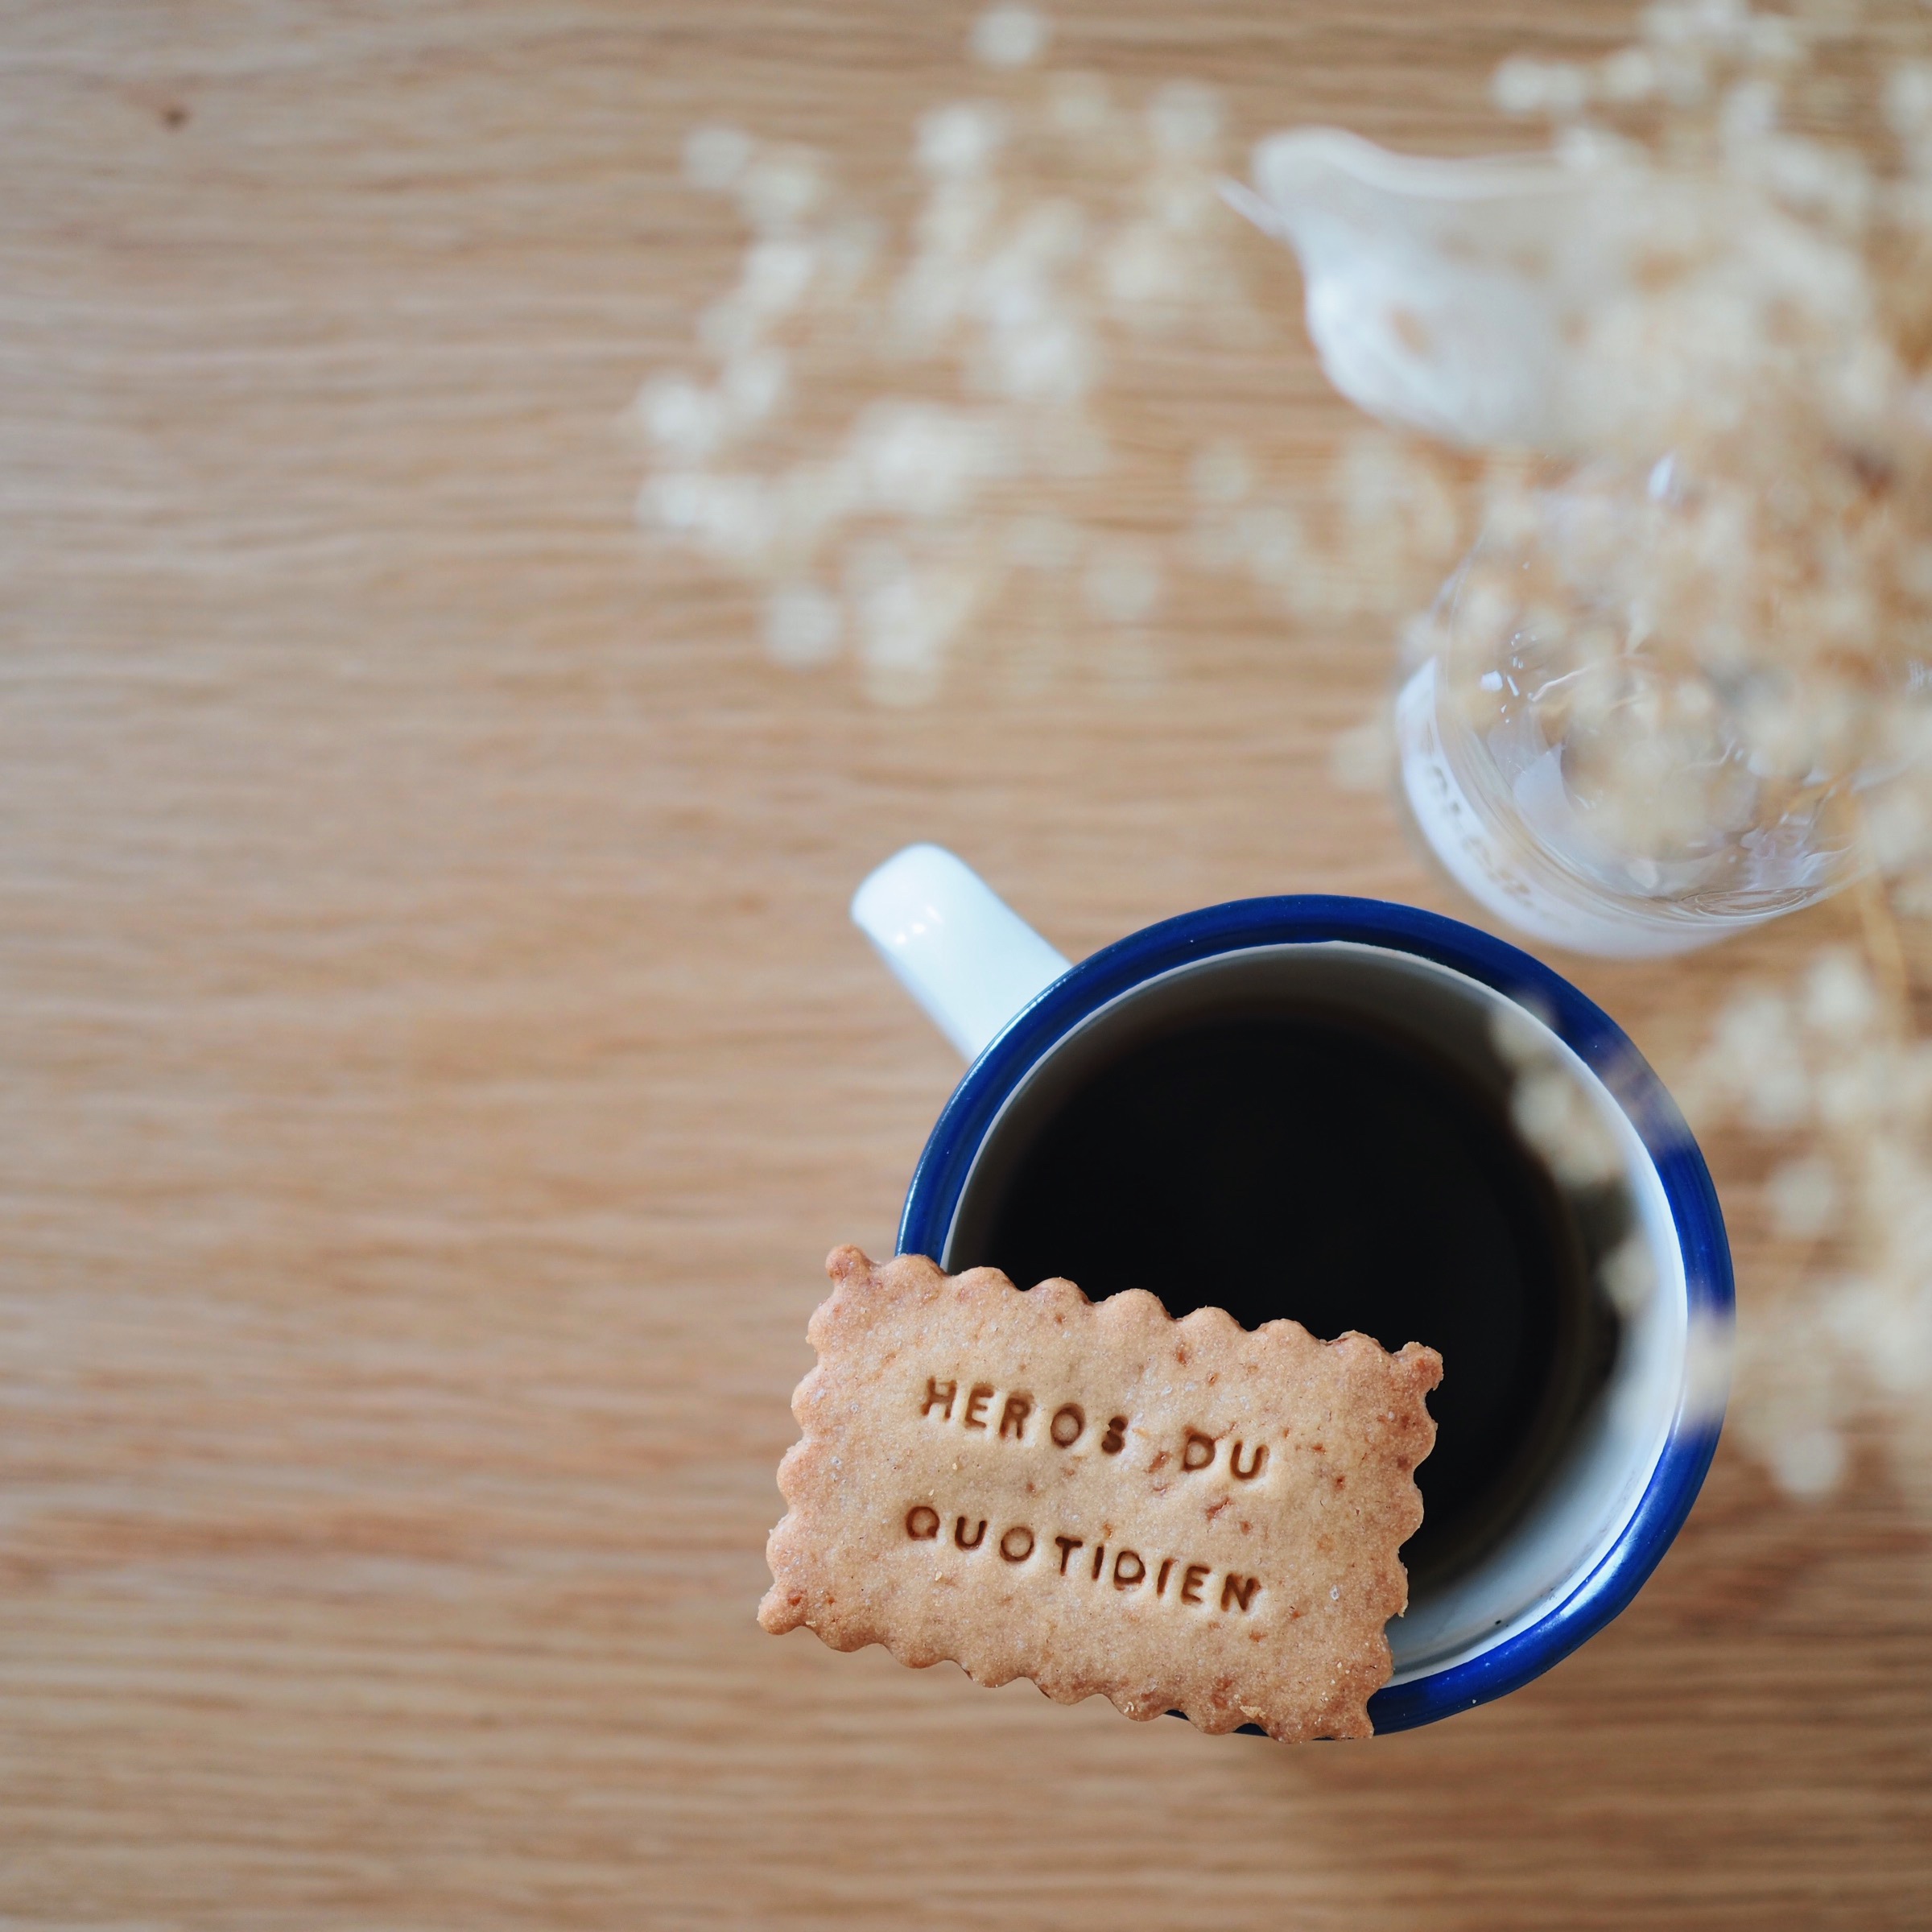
(1604, 1514)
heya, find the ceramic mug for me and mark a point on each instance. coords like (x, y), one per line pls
(1604, 1511)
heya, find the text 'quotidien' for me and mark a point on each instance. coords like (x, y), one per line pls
(1130, 1570)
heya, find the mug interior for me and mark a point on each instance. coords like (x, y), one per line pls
(1585, 1497)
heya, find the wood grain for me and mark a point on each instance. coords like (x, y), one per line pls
(436, 1059)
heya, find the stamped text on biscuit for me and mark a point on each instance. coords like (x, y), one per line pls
(1058, 1428)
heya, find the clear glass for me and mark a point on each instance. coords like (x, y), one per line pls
(1603, 748)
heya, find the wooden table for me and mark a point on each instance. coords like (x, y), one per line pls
(436, 1060)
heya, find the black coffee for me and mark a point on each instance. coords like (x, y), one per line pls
(1311, 1164)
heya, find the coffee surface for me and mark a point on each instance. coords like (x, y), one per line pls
(1308, 1166)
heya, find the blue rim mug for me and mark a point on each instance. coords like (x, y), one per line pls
(1583, 1545)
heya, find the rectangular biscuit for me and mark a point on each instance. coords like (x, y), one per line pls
(1176, 1515)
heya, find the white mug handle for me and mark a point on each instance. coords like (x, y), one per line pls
(969, 959)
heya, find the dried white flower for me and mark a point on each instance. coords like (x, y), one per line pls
(1886, 1326)
(1629, 1276)
(1051, 360)
(1748, 110)
(1840, 1000)
(1521, 1036)
(923, 461)
(729, 516)
(1897, 823)
(1709, 1347)
(780, 188)
(1809, 1462)
(961, 139)
(1555, 1115)
(754, 385)
(682, 419)
(1803, 1197)
(1363, 757)
(907, 619)
(1122, 582)
(670, 500)
(777, 274)
(1525, 86)
(1626, 76)
(1271, 540)
(1771, 40)
(1908, 97)
(1010, 36)
(802, 626)
(1185, 117)
(715, 157)
(1220, 474)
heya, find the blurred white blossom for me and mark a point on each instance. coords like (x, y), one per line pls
(1057, 228)
(803, 624)
(715, 157)
(1010, 36)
